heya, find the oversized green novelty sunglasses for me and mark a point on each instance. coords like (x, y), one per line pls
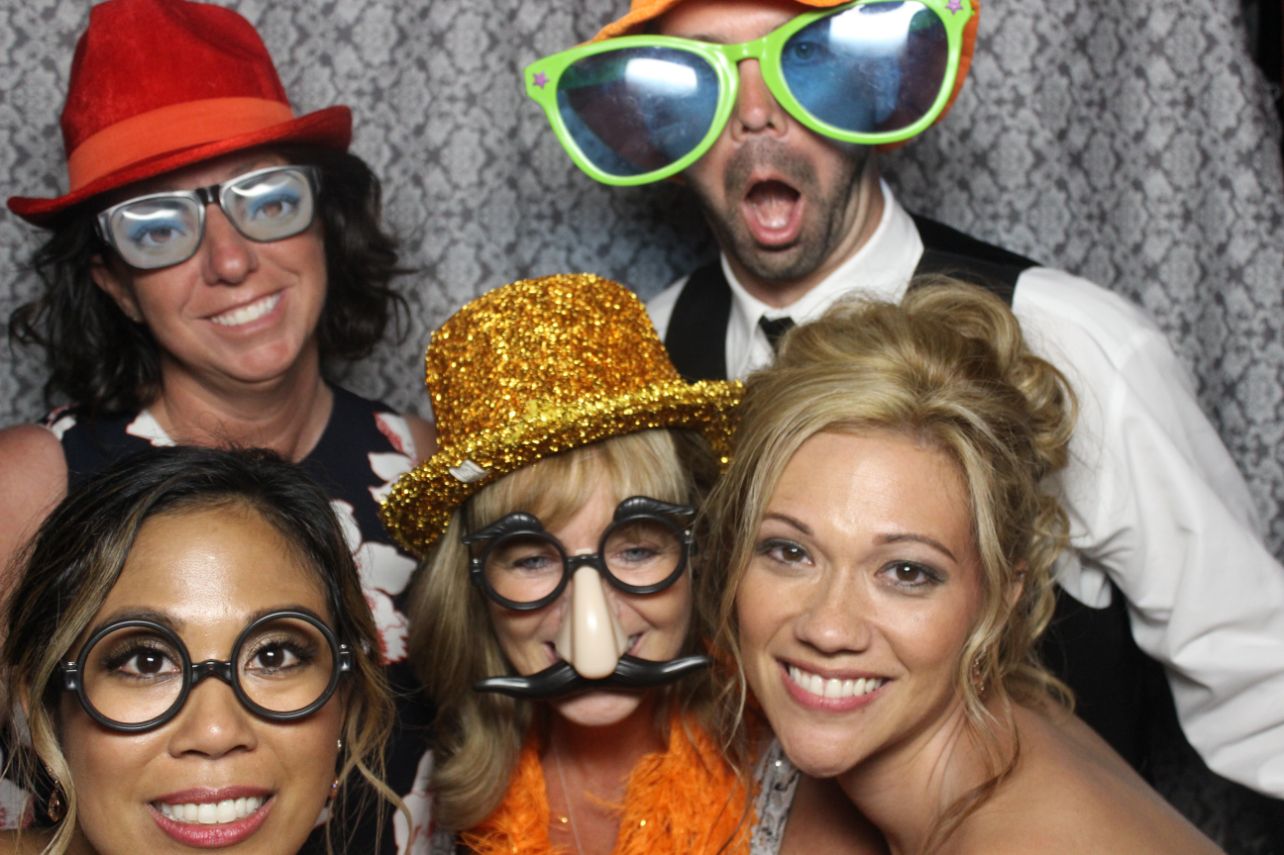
(636, 109)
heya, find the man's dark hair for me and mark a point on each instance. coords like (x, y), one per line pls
(100, 360)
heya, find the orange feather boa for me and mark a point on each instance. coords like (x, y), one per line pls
(685, 799)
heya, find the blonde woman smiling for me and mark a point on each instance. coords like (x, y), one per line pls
(889, 545)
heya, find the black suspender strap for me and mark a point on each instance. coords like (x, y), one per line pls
(949, 252)
(697, 334)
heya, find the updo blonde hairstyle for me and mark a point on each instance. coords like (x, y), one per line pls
(948, 367)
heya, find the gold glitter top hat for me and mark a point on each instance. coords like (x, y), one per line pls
(535, 368)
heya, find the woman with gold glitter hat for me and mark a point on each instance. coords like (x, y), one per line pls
(555, 625)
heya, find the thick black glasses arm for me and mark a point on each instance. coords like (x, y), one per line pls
(225, 670)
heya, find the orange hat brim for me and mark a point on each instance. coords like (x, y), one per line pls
(329, 128)
(648, 10)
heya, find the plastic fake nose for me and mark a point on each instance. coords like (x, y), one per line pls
(590, 638)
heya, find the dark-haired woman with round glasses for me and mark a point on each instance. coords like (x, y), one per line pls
(191, 653)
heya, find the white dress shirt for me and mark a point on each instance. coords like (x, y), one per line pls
(1155, 502)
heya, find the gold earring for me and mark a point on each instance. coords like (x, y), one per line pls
(54, 807)
(978, 678)
(334, 789)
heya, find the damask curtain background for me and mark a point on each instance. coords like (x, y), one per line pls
(1133, 143)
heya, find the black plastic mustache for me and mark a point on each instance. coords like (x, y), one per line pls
(561, 680)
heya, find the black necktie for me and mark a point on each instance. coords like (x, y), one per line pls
(775, 328)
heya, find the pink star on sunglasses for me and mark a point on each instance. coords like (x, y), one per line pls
(955, 6)
(541, 79)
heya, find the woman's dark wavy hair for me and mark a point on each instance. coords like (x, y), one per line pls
(100, 360)
(77, 556)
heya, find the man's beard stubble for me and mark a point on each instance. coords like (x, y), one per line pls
(824, 225)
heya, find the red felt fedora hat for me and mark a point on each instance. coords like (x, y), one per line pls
(157, 85)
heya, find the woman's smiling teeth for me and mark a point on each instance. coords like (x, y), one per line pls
(248, 312)
(814, 684)
(212, 813)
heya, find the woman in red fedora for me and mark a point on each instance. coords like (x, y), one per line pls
(214, 253)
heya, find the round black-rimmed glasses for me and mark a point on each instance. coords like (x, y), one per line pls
(523, 567)
(134, 675)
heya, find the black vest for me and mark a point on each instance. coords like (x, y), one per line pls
(1117, 687)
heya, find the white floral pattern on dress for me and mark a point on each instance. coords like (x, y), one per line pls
(60, 420)
(391, 466)
(145, 426)
(415, 837)
(396, 430)
(385, 572)
(15, 804)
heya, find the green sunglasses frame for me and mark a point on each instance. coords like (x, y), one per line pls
(543, 76)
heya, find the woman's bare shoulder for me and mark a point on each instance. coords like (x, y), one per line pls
(1072, 793)
(31, 444)
(33, 478)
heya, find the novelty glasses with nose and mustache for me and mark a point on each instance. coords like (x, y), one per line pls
(636, 109)
(135, 675)
(162, 229)
(523, 567)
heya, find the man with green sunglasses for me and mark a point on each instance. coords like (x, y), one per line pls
(771, 112)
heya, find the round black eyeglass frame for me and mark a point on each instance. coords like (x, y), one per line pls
(194, 673)
(676, 518)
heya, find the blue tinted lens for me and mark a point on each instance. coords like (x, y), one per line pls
(870, 69)
(637, 110)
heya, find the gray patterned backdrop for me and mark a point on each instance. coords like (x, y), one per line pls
(1132, 142)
